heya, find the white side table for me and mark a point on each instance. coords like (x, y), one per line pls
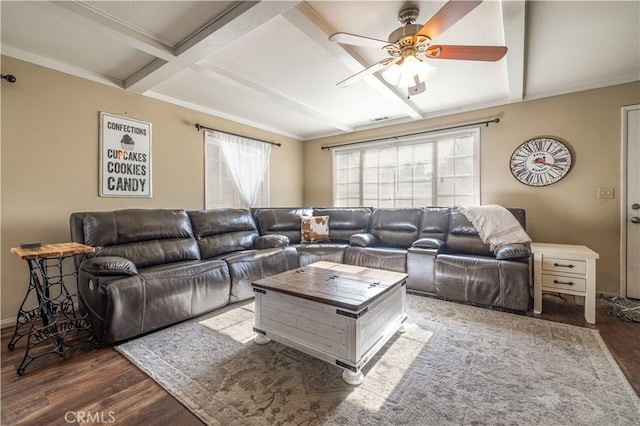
(567, 269)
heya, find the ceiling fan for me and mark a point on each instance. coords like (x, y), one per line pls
(404, 68)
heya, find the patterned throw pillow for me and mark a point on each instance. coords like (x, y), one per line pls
(315, 229)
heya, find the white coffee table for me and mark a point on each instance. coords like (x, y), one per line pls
(341, 314)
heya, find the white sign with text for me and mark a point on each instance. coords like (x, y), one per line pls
(125, 157)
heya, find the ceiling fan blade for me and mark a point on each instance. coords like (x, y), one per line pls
(367, 71)
(356, 40)
(450, 13)
(467, 53)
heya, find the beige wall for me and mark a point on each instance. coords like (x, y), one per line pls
(566, 212)
(50, 160)
(50, 163)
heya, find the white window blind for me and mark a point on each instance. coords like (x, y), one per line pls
(434, 170)
(220, 188)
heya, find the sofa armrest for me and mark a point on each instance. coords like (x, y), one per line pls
(513, 252)
(428, 243)
(271, 241)
(363, 240)
(108, 266)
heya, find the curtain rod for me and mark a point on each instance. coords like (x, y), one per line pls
(200, 127)
(486, 123)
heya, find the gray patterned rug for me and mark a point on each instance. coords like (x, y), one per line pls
(455, 365)
(623, 308)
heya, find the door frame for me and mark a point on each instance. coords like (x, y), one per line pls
(623, 199)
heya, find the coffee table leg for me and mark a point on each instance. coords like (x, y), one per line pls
(352, 378)
(261, 340)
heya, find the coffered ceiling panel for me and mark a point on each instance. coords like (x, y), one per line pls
(290, 52)
(457, 85)
(76, 42)
(581, 45)
(170, 22)
(230, 100)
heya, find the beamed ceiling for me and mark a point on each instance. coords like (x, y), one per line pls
(270, 64)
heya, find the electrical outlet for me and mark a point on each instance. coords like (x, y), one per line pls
(606, 193)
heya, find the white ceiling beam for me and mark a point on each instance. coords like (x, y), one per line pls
(229, 77)
(318, 30)
(242, 18)
(514, 24)
(112, 27)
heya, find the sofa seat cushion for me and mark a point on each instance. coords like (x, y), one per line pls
(345, 221)
(162, 295)
(281, 221)
(483, 280)
(390, 259)
(309, 253)
(463, 237)
(224, 230)
(395, 227)
(145, 237)
(248, 266)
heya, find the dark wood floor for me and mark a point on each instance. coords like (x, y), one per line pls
(102, 386)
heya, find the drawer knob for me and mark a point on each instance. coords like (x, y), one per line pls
(560, 265)
(563, 282)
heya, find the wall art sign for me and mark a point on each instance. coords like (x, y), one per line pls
(125, 157)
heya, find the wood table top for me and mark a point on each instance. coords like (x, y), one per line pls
(346, 286)
(52, 250)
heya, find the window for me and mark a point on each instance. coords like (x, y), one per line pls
(220, 189)
(441, 170)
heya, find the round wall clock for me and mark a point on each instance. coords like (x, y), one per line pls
(540, 161)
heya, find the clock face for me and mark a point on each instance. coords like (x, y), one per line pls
(540, 161)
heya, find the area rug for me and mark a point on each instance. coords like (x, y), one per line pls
(623, 308)
(454, 365)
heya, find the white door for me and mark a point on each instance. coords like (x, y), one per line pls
(631, 215)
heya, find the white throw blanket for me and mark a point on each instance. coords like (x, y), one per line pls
(496, 225)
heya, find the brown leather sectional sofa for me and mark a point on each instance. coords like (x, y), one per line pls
(153, 268)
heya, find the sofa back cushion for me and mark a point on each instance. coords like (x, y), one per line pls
(225, 230)
(463, 237)
(395, 227)
(146, 237)
(281, 221)
(345, 221)
(434, 222)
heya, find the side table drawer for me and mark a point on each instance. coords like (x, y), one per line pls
(562, 282)
(564, 265)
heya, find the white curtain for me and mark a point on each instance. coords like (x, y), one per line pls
(247, 161)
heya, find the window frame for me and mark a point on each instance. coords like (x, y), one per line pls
(433, 138)
(223, 174)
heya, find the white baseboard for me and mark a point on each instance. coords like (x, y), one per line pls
(9, 322)
(608, 294)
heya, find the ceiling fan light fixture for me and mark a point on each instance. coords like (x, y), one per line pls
(403, 74)
(406, 44)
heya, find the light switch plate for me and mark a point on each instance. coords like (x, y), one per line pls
(606, 193)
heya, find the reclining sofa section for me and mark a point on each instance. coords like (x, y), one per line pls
(153, 268)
